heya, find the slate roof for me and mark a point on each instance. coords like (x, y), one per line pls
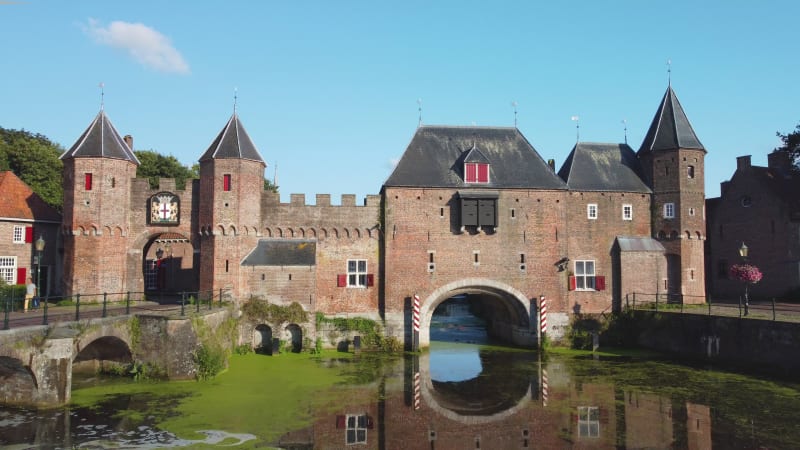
(783, 185)
(639, 244)
(101, 140)
(20, 202)
(233, 142)
(436, 155)
(670, 128)
(603, 167)
(283, 252)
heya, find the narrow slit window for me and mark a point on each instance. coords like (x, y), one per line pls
(87, 181)
(226, 182)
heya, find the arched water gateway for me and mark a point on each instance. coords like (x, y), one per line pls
(467, 210)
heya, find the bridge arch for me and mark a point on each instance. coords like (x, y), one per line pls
(510, 310)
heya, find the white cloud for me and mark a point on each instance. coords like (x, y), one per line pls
(144, 44)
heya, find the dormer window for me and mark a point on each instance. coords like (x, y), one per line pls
(476, 172)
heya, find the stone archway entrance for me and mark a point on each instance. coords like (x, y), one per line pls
(507, 310)
(168, 265)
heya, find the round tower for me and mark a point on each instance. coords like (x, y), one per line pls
(98, 170)
(231, 186)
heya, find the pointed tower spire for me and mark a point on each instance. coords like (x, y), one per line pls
(670, 128)
(233, 142)
(101, 140)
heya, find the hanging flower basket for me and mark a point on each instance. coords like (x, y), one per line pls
(747, 273)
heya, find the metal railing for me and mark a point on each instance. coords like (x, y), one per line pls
(683, 304)
(106, 304)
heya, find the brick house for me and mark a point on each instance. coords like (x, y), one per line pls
(468, 211)
(759, 207)
(24, 218)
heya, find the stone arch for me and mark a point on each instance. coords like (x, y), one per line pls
(262, 339)
(232, 230)
(699, 236)
(119, 231)
(335, 233)
(323, 233)
(294, 337)
(17, 378)
(81, 231)
(94, 230)
(513, 302)
(107, 231)
(312, 233)
(688, 234)
(220, 230)
(289, 232)
(357, 233)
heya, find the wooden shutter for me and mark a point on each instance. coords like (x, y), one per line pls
(483, 173)
(469, 212)
(487, 213)
(572, 283)
(28, 235)
(341, 421)
(21, 273)
(87, 181)
(370, 279)
(226, 182)
(470, 172)
(341, 280)
(600, 283)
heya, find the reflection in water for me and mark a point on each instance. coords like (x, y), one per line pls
(601, 402)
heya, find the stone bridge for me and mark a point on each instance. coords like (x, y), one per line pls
(37, 362)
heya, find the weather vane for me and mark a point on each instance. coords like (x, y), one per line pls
(514, 105)
(625, 125)
(102, 95)
(235, 97)
(669, 72)
(419, 108)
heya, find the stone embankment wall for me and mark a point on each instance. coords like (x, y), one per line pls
(761, 344)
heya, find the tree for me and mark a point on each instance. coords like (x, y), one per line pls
(35, 160)
(268, 186)
(153, 165)
(791, 144)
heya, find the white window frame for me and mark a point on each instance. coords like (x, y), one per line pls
(357, 273)
(591, 211)
(19, 234)
(585, 275)
(355, 429)
(8, 269)
(669, 210)
(627, 212)
(589, 421)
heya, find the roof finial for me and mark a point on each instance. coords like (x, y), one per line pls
(669, 72)
(102, 95)
(625, 124)
(235, 97)
(419, 108)
(577, 121)
(514, 105)
(275, 175)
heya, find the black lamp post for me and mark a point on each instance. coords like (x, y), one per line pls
(159, 253)
(39, 244)
(743, 252)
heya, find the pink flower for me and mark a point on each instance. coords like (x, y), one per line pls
(746, 272)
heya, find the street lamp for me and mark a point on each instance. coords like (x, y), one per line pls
(159, 253)
(743, 251)
(39, 244)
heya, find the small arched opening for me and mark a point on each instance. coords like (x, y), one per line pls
(294, 337)
(262, 339)
(104, 354)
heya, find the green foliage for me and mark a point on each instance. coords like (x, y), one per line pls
(13, 292)
(135, 331)
(35, 160)
(209, 361)
(791, 144)
(268, 186)
(146, 371)
(369, 330)
(154, 165)
(243, 349)
(261, 311)
(581, 331)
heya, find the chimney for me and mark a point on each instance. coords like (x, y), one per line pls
(742, 162)
(780, 160)
(128, 140)
(552, 164)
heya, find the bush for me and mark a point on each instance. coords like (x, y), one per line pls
(243, 349)
(208, 361)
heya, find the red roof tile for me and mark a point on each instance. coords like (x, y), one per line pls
(18, 201)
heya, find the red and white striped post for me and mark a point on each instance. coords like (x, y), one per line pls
(543, 314)
(415, 320)
(545, 388)
(416, 390)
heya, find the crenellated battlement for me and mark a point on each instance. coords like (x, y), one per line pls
(142, 186)
(322, 200)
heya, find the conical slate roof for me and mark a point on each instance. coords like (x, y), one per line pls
(232, 142)
(670, 128)
(101, 140)
(603, 167)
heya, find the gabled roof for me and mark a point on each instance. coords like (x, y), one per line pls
(670, 128)
(782, 185)
(232, 142)
(474, 155)
(283, 252)
(435, 158)
(20, 202)
(101, 140)
(603, 167)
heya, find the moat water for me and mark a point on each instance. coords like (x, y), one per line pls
(463, 394)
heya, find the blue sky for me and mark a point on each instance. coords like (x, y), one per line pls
(329, 90)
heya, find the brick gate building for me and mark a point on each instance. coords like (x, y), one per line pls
(470, 211)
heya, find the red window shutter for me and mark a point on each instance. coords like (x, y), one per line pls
(483, 173)
(341, 280)
(226, 182)
(470, 172)
(21, 273)
(572, 283)
(88, 181)
(370, 279)
(340, 421)
(28, 235)
(600, 283)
